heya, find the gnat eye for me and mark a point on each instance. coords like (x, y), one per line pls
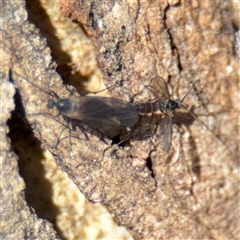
(51, 103)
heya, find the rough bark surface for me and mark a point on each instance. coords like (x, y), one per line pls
(18, 218)
(192, 193)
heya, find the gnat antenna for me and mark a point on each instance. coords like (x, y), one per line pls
(50, 93)
(191, 113)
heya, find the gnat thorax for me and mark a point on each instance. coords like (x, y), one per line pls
(170, 105)
(63, 105)
(66, 105)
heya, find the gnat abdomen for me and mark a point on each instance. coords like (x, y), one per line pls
(157, 107)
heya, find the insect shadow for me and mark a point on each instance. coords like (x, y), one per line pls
(104, 114)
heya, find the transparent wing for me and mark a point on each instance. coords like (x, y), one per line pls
(159, 88)
(102, 111)
(165, 126)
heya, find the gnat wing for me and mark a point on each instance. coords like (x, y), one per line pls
(103, 112)
(165, 126)
(159, 88)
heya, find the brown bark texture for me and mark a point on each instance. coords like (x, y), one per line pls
(18, 218)
(190, 193)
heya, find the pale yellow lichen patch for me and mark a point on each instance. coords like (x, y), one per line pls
(77, 218)
(71, 47)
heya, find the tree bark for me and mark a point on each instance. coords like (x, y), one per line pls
(190, 193)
